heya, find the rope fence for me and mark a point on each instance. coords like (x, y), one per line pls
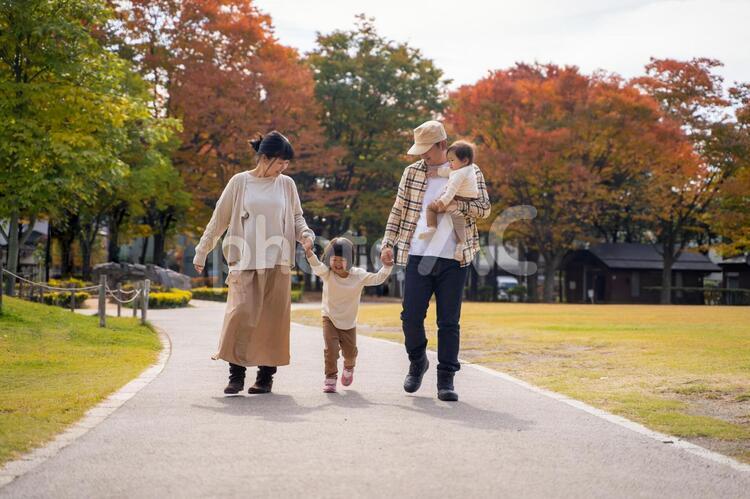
(138, 297)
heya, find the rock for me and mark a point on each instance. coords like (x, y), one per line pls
(121, 272)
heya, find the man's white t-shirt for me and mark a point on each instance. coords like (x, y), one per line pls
(443, 241)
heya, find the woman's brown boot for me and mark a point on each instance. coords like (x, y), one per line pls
(263, 381)
(236, 379)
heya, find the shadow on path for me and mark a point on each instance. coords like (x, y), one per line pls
(285, 409)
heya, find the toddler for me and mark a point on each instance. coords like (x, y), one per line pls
(462, 184)
(342, 288)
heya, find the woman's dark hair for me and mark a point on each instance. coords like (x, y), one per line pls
(339, 246)
(273, 145)
(463, 151)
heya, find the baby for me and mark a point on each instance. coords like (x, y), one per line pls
(342, 288)
(462, 184)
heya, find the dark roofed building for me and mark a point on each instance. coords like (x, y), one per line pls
(736, 275)
(624, 272)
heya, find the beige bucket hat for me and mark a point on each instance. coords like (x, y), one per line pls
(426, 135)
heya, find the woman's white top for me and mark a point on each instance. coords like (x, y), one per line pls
(264, 206)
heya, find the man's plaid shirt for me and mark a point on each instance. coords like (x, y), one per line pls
(408, 205)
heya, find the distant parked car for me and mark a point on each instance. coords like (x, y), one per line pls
(504, 285)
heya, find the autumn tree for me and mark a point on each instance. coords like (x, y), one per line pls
(216, 66)
(373, 92)
(62, 104)
(692, 95)
(578, 148)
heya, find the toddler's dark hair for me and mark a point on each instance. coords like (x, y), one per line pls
(463, 150)
(339, 246)
(273, 145)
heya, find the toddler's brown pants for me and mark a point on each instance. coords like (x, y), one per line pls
(335, 339)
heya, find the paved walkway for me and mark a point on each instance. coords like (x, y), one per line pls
(180, 436)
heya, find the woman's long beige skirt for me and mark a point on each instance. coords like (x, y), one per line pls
(257, 318)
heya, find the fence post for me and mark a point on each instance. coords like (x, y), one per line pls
(119, 297)
(144, 296)
(102, 300)
(135, 302)
(2, 284)
(72, 299)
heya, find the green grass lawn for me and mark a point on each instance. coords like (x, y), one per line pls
(678, 369)
(55, 365)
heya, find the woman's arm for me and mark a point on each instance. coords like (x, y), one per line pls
(479, 207)
(301, 230)
(216, 225)
(379, 277)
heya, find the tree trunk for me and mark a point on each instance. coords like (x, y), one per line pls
(114, 222)
(159, 248)
(85, 258)
(666, 279)
(67, 235)
(532, 280)
(13, 251)
(144, 248)
(48, 251)
(551, 262)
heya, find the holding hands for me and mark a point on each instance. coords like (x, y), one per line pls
(308, 245)
(437, 206)
(386, 256)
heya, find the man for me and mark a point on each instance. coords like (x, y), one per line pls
(430, 264)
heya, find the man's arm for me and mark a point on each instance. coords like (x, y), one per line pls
(479, 207)
(394, 218)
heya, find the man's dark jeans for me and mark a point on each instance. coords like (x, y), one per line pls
(445, 278)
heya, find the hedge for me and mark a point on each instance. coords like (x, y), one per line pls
(211, 294)
(176, 298)
(70, 282)
(62, 298)
(220, 294)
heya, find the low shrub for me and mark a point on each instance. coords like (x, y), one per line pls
(62, 298)
(176, 298)
(70, 282)
(212, 294)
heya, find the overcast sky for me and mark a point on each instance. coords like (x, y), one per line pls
(468, 38)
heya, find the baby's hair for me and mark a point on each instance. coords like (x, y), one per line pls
(339, 246)
(463, 151)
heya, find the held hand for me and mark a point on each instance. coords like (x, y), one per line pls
(437, 206)
(199, 268)
(452, 206)
(386, 256)
(308, 245)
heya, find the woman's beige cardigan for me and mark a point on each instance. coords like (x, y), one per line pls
(230, 214)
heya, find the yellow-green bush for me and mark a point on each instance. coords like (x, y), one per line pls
(175, 298)
(62, 298)
(212, 294)
(70, 282)
(220, 294)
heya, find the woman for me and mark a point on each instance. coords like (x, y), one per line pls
(261, 212)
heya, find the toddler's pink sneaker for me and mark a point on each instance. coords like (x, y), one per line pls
(330, 385)
(347, 376)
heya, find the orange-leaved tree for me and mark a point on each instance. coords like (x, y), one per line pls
(579, 148)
